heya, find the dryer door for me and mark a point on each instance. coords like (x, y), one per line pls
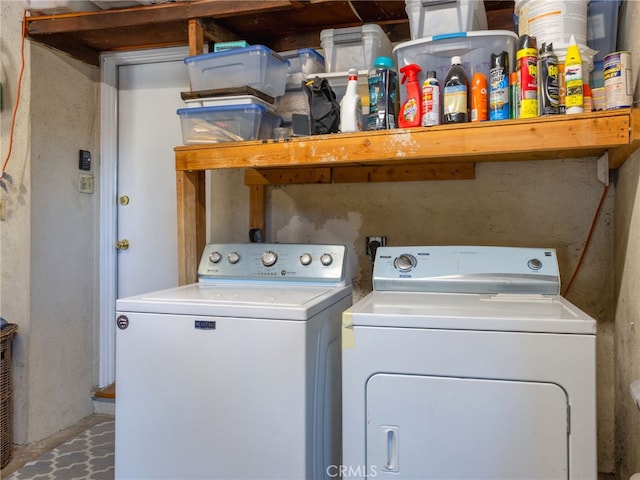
(424, 427)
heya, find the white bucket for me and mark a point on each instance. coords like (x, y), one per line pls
(553, 21)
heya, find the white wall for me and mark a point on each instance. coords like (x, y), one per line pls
(627, 276)
(543, 203)
(49, 240)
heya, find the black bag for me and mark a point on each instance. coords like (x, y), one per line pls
(324, 109)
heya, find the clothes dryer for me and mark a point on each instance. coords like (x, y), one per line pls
(464, 362)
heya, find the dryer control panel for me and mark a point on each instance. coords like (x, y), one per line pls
(279, 262)
(467, 269)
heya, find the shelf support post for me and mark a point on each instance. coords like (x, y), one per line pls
(603, 169)
(196, 38)
(257, 213)
(190, 188)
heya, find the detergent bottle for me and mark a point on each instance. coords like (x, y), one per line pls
(411, 109)
(351, 105)
(382, 82)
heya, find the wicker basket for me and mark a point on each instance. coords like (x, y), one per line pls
(6, 394)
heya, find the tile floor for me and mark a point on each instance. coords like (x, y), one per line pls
(83, 451)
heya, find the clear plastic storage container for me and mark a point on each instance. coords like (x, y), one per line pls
(255, 66)
(229, 100)
(474, 48)
(338, 82)
(354, 47)
(110, 4)
(436, 17)
(54, 7)
(302, 62)
(227, 123)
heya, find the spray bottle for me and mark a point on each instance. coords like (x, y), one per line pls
(527, 68)
(548, 81)
(430, 100)
(479, 98)
(574, 99)
(411, 109)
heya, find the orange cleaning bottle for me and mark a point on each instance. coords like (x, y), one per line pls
(411, 109)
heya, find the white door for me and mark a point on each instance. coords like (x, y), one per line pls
(140, 93)
(148, 130)
(428, 427)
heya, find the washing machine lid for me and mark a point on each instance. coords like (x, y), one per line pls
(239, 300)
(456, 311)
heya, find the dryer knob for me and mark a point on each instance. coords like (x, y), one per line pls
(326, 259)
(215, 257)
(405, 262)
(269, 258)
(305, 259)
(233, 257)
(534, 264)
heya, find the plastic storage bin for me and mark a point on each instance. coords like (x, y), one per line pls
(255, 66)
(354, 47)
(229, 100)
(302, 62)
(602, 32)
(53, 7)
(293, 101)
(226, 123)
(475, 48)
(109, 4)
(437, 17)
(338, 82)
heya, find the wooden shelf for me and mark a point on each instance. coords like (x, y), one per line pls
(614, 132)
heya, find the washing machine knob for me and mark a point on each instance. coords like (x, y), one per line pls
(215, 257)
(534, 264)
(405, 262)
(233, 257)
(326, 259)
(269, 258)
(305, 259)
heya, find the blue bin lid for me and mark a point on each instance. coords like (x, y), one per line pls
(302, 51)
(236, 51)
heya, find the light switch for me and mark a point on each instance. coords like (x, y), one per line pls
(85, 183)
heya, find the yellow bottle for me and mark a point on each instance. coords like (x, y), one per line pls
(574, 97)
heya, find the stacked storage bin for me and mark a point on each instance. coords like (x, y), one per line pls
(441, 30)
(243, 84)
(302, 63)
(354, 47)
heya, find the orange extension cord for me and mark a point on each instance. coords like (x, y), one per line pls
(15, 107)
(588, 241)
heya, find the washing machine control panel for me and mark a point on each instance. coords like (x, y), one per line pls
(467, 269)
(274, 262)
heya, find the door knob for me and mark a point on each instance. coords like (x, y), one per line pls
(122, 244)
(124, 200)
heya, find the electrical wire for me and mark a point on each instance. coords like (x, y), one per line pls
(588, 240)
(15, 107)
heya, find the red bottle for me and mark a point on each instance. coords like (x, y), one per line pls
(411, 109)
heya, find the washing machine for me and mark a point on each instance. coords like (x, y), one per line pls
(464, 362)
(236, 376)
